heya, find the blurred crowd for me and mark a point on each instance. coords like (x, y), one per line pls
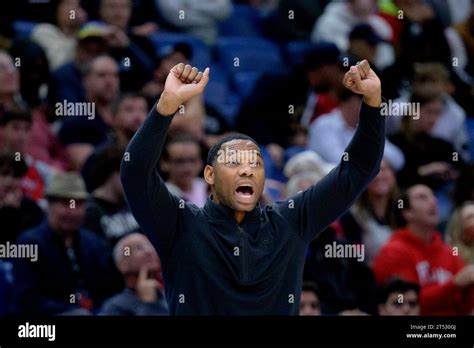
(77, 79)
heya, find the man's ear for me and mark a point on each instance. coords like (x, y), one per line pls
(122, 266)
(209, 174)
(406, 215)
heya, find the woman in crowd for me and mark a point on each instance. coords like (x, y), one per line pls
(428, 160)
(370, 220)
(460, 231)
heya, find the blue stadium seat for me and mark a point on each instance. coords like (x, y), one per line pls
(245, 59)
(238, 54)
(201, 56)
(295, 51)
(219, 95)
(23, 29)
(245, 81)
(470, 131)
(244, 21)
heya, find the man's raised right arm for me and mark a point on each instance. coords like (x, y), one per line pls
(153, 206)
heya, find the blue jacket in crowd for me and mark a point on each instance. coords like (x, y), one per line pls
(45, 286)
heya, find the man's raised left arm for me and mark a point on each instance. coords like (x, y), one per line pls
(317, 207)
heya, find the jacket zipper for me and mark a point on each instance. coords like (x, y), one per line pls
(244, 257)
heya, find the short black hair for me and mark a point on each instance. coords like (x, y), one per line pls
(310, 286)
(179, 138)
(397, 285)
(322, 53)
(124, 96)
(10, 166)
(15, 114)
(404, 199)
(213, 151)
(89, 65)
(105, 164)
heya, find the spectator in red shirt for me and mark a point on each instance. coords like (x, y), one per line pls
(15, 131)
(42, 144)
(417, 253)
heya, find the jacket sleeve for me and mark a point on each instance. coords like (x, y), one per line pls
(153, 206)
(313, 210)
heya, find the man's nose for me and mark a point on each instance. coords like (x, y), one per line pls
(245, 169)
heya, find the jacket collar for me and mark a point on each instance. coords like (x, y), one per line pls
(224, 213)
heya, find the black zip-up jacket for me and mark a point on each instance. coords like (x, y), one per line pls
(214, 266)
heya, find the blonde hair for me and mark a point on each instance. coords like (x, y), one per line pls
(430, 72)
(454, 233)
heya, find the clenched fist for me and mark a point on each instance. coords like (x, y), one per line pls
(361, 79)
(182, 83)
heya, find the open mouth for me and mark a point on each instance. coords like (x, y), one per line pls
(433, 212)
(244, 190)
(245, 194)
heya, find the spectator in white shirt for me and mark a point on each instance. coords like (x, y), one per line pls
(182, 163)
(331, 133)
(59, 41)
(338, 19)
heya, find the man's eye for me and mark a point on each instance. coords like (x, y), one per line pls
(255, 164)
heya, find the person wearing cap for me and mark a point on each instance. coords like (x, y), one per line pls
(96, 39)
(340, 17)
(74, 272)
(66, 81)
(193, 114)
(167, 56)
(80, 133)
(234, 257)
(363, 43)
